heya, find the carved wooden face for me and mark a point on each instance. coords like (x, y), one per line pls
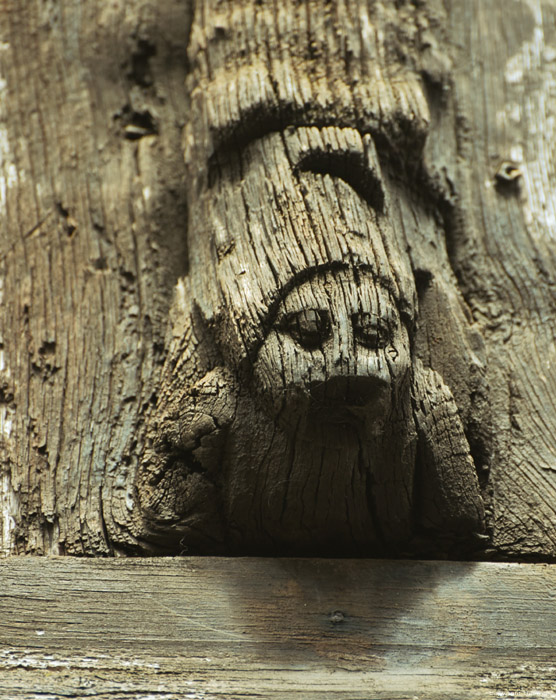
(320, 467)
(301, 279)
(299, 405)
(303, 410)
(306, 204)
(337, 348)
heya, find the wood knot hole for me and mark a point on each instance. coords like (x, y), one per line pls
(507, 177)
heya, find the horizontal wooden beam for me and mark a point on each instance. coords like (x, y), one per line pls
(205, 628)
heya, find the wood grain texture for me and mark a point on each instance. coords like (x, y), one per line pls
(455, 97)
(503, 250)
(92, 217)
(300, 412)
(205, 628)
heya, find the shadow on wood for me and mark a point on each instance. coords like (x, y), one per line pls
(275, 628)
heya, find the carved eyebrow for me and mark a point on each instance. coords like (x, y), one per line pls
(262, 119)
(350, 166)
(258, 120)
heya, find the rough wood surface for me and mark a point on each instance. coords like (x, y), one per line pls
(92, 217)
(425, 128)
(503, 249)
(296, 414)
(205, 628)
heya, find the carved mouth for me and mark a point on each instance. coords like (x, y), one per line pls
(353, 391)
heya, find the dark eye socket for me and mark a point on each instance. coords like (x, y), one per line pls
(371, 331)
(309, 327)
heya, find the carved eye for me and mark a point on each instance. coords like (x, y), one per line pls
(371, 331)
(310, 327)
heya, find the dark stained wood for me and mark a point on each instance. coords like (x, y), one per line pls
(276, 628)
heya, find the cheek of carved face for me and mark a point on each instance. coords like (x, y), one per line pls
(337, 347)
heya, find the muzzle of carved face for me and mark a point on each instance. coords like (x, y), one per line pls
(337, 351)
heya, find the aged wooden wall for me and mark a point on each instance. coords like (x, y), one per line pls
(503, 252)
(457, 98)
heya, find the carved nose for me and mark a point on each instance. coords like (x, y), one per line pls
(351, 390)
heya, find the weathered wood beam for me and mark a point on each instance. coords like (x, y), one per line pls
(297, 412)
(274, 628)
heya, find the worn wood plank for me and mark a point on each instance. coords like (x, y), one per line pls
(273, 628)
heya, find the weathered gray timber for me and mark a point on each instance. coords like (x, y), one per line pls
(331, 329)
(502, 249)
(92, 226)
(206, 628)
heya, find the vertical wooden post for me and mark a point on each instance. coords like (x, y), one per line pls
(296, 415)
